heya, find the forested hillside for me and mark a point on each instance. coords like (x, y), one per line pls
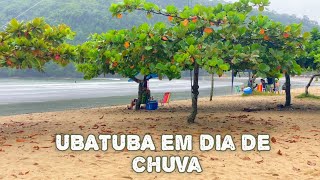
(93, 16)
(84, 16)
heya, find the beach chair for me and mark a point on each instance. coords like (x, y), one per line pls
(166, 98)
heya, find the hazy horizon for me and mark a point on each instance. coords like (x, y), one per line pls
(299, 8)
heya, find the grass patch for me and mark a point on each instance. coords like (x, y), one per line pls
(309, 96)
(257, 93)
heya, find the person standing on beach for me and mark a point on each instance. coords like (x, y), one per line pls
(264, 85)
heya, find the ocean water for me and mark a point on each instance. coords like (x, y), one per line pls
(20, 96)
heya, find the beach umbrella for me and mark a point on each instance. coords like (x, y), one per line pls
(150, 76)
(140, 77)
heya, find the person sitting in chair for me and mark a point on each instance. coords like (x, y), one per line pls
(146, 96)
(132, 104)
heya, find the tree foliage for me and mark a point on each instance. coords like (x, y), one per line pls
(34, 43)
(219, 37)
(92, 16)
(310, 60)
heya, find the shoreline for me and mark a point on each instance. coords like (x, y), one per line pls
(60, 105)
(295, 92)
(106, 107)
(56, 102)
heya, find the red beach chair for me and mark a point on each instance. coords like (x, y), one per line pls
(166, 98)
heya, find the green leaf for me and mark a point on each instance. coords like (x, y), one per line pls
(261, 8)
(306, 35)
(213, 62)
(224, 67)
(287, 29)
(148, 48)
(264, 67)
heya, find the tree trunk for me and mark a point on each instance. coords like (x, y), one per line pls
(309, 84)
(274, 85)
(253, 80)
(250, 80)
(191, 80)
(142, 87)
(212, 86)
(195, 94)
(140, 92)
(288, 90)
(232, 82)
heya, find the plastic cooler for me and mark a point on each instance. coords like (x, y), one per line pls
(247, 90)
(152, 105)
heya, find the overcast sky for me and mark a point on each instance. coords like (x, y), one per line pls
(310, 8)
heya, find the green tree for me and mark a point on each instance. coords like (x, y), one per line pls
(195, 26)
(140, 50)
(34, 43)
(278, 45)
(201, 37)
(310, 60)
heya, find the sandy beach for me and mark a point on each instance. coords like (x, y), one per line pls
(27, 147)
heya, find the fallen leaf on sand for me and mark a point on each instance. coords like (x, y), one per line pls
(291, 141)
(315, 131)
(20, 140)
(127, 177)
(8, 145)
(45, 147)
(21, 173)
(273, 140)
(296, 137)
(295, 127)
(33, 135)
(315, 156)
(106, 131)
(246, 158)
(279, 153)
(311, 163)
(259, 162)
(95, 126)
(296, 169)
(18, 132)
